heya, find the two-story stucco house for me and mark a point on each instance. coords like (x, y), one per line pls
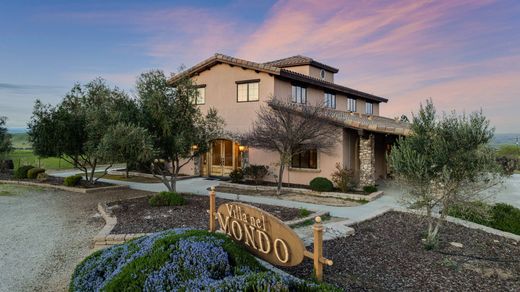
(237, 88)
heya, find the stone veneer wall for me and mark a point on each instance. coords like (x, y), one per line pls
(367, 159)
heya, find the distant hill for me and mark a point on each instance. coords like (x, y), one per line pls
(501, 139)
(21, 140)
(17, 130)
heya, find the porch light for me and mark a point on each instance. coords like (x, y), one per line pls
(194, 147)
(241, 148)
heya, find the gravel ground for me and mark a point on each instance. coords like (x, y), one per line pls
(137, 216)
(386, 254)
(45, 233)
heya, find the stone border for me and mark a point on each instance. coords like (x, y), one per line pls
(294, 222)
(147, 175)
(104, 238)
(369, 198)
(64, 188)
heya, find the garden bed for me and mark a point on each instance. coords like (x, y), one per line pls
(386, 253)
(137, 216)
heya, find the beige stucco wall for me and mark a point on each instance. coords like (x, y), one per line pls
(312, 71)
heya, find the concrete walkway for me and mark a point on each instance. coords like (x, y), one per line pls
(508, 193)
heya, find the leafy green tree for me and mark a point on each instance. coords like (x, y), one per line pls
(74, 129)
(5, 138)
(126, 143)
(446, 160)
(176, 124)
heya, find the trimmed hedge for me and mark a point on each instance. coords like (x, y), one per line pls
(73, 180)
(369, 189)
(21, 172)
(33, 172)
(181, 260)
(321, 184)
(166, 199)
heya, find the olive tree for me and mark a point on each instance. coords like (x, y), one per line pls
(126, 143)
(445, 161)
(290, 129)
(73, 129)
(180, 130)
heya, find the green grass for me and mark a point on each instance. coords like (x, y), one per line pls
(27, 157)
(20, 141)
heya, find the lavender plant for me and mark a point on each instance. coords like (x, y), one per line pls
(181, 260)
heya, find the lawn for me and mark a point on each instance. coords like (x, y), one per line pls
(27, 157)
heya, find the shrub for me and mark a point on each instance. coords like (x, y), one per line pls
(477, 212)
(321, 184)
(236, 175)
(6, 165)
(343, 178)
(302, 213)
(256, 172)
(506, 218)
(33, 172)
(166, 199)
(500, 216)
(21, 172)
(72, 180)
(369, 189)
(181, 260)
(508, 164)
(42, 177)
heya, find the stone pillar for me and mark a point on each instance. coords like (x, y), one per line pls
(197, 162)
(367, 161)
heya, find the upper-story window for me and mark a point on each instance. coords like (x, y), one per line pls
(322, 74)
(201, 95)
(351, 105)
(330, 100)
(299, 94)
(369, 108)
(247, 90)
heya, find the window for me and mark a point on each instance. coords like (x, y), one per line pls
(247, 90)
(369, 108)
(299, 94)
(201, 95)
(351, 104)
(307, 159)
(322, 74)
(330, 100)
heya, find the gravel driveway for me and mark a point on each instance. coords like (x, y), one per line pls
(45, 233)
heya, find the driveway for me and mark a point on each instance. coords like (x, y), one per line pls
(45, 233)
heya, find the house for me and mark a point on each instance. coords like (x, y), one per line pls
(237, 88)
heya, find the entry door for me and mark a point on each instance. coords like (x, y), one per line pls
(222, 158)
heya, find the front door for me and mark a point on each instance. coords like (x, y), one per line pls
(222, 157)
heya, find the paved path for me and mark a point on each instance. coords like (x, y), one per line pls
(44, 234)
(508, 193)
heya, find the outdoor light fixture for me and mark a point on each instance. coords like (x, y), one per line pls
(241, 148)
(194, 147)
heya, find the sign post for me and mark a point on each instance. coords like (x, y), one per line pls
(212, 210)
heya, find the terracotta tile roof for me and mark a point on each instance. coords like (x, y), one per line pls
(271, 69)
(359, 121)
(299, 60)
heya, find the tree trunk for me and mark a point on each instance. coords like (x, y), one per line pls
(127, 170)
(92, 171)
(280, 178)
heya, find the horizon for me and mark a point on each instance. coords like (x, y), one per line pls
(462, 54)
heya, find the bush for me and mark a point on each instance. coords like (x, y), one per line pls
(33, 172)
(321, 184)
(500, 216)
(42, 177)
(6, 165)
(181, 260)
(166, 199)
(72, 180)
(508, 164)
(256, 172)
(21, 172)
(369, 189)
(236, 175)
(343, 178)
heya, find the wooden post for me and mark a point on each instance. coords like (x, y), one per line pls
(318, 248)
(212, 210)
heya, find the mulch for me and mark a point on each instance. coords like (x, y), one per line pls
(137, 216)
(58, 181)
(386, 254)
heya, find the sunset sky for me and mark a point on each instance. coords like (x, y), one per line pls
(465, 54)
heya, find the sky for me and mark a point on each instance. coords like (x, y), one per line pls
(463, 54)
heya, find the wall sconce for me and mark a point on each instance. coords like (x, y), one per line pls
(194, 147)
(242, 148)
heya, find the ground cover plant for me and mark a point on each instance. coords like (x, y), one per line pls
(72, 180)
(180, 260)
(499, 216)
(167, 199)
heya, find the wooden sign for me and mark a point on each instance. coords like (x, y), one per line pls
(261, 233)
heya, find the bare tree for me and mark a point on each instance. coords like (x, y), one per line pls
(290, 129)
